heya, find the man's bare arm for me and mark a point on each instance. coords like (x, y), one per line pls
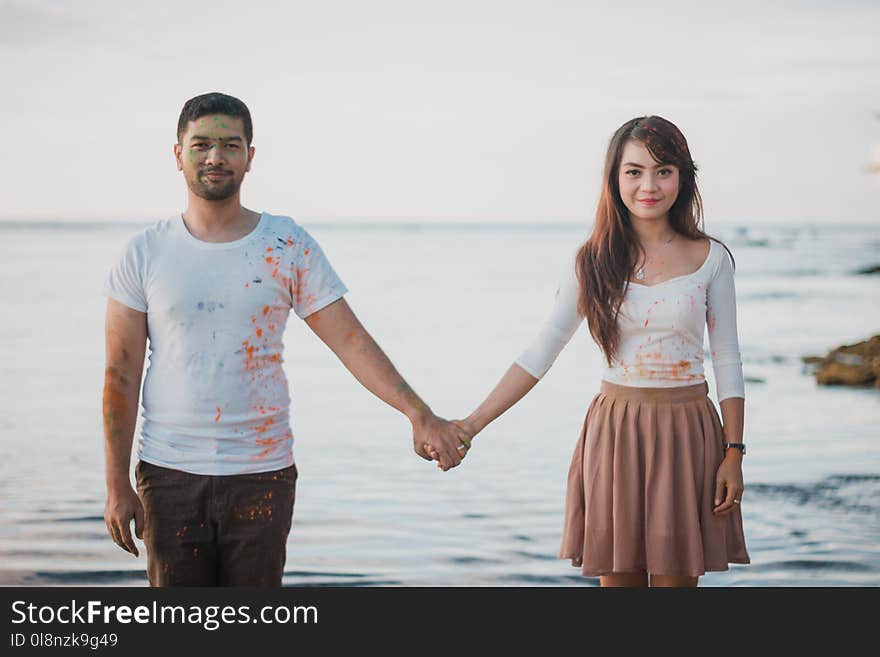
(126, 343)
(339, 329)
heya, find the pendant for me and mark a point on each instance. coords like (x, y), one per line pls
(640, 275)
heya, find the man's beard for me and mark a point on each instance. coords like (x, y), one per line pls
(214, 191)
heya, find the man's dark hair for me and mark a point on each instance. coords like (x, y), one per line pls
(215, 103)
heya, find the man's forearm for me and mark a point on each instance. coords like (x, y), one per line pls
(365, 359)
(340, 329)
(120, 405)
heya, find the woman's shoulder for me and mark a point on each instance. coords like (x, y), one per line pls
(717, 258)
(698, 251)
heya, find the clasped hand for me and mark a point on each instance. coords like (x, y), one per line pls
(441, 440)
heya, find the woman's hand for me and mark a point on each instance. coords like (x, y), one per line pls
(728, 483)
(512, 387)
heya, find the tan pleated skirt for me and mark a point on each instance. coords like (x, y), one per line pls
(642, 483)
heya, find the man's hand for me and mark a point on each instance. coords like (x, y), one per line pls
(445, 442)
(126, 335)
(123, 505)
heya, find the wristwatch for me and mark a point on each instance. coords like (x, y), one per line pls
(740, 446)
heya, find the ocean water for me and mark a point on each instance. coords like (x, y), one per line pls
(452, 305)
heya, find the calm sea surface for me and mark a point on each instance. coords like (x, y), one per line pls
(452, 306)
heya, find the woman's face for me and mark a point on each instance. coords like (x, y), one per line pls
(648, 189)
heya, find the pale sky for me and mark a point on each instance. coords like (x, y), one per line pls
(447, 110)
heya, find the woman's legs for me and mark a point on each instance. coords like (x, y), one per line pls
(674, 580)
(639, 579)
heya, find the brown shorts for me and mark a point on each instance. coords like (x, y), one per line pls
(206, 530)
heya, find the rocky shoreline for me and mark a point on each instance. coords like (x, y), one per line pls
(848, 365)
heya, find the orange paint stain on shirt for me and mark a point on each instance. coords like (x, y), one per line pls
(259, 332)
(269, 259)
(264, 426)
(219, 413)
(679, 369)
(271, 444)
(266, 310)
(651, 309)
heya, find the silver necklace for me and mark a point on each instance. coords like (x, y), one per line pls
(640, 272)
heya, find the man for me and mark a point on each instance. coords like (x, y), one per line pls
(212, 289)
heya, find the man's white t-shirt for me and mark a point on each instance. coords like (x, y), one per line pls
(215, 395)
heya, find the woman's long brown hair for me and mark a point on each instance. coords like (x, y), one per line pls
(606, 260)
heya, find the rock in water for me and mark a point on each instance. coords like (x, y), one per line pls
(850, 365)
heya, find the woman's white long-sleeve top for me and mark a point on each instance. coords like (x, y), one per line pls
(661, 330)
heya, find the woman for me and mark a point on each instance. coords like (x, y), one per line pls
(656, 479)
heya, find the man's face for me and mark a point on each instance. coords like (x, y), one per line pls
(214, 156)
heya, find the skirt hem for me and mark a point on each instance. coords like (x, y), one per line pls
(595, 572)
